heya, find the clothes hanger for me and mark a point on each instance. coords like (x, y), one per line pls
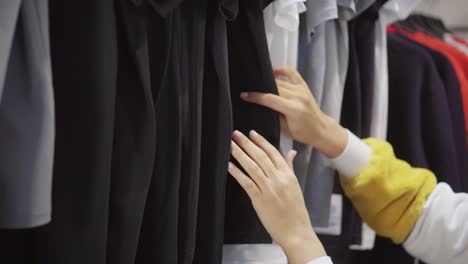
(423, 23)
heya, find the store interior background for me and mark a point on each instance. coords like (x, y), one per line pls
(454, 13)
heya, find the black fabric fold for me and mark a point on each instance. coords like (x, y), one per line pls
(250, 70)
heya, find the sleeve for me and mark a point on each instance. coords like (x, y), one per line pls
(322, 260)
(354, 158)
(9, 11)
(441, 232)
(387, 192)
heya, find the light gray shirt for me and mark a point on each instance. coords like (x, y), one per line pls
(26, 114)
(323, 62)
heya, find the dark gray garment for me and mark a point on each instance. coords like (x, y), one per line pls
(323, 61)
(324, 67)
(26, 115)
(312, 64)
(8, 15)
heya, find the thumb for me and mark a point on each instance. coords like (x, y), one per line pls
(290, 158)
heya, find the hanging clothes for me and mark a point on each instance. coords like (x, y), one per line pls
(375, 123)
(193, 126)
(27, 115)
(451, 40)
(359, 90)
(122, 195)
(250, 70)
(313, 72)
(323, 48)
(172, 205)
(217, 123)
(458, 59)
(84, 63)
(413, 117)
(337, 244)
(134, 138)
(452, 87)
(281, 20)
(460, 40)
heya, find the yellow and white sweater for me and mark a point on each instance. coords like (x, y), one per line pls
(403, 203)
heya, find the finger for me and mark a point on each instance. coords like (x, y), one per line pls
(290, 156)
(292, 74)
(254, 171)
(244, 181)
(256, 153)
(284, 84)
(269, 149)
(272, 101)
(285, 93)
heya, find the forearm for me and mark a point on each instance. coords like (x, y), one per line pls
(305, 249)
(331, 138)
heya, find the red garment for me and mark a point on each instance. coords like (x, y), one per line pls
(457, 58)
(460, 40)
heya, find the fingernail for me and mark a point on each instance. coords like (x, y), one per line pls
(294, 153)
(236, 133)
(244, 95)
(230, 165)
(253, 132)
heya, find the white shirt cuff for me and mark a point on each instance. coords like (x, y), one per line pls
(253, 254)
(322, 260)
(354, 158)
(441, 234)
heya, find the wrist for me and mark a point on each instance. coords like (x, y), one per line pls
(332, 138)
(303, 249)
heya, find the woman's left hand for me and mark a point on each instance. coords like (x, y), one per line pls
(276, 195)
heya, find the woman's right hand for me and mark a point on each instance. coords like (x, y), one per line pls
(301, 117)
(269, 181)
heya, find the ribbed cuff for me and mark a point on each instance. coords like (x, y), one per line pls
(354, 158)
(322, 260)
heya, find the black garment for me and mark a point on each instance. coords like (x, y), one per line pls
(216, 134)
(132, 120)
(455, 102)
(84, 63)
(176, 35)
(356, 115)
(359, 84)
(361, 71)
(134, 137)
(420, 122)
(250, 70)
(100, 177)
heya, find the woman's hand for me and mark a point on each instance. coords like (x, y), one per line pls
(301, 117)
(276, 196)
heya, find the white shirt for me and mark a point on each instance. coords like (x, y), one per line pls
(282, 31)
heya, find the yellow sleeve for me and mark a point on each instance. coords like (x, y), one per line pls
(389, 194)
